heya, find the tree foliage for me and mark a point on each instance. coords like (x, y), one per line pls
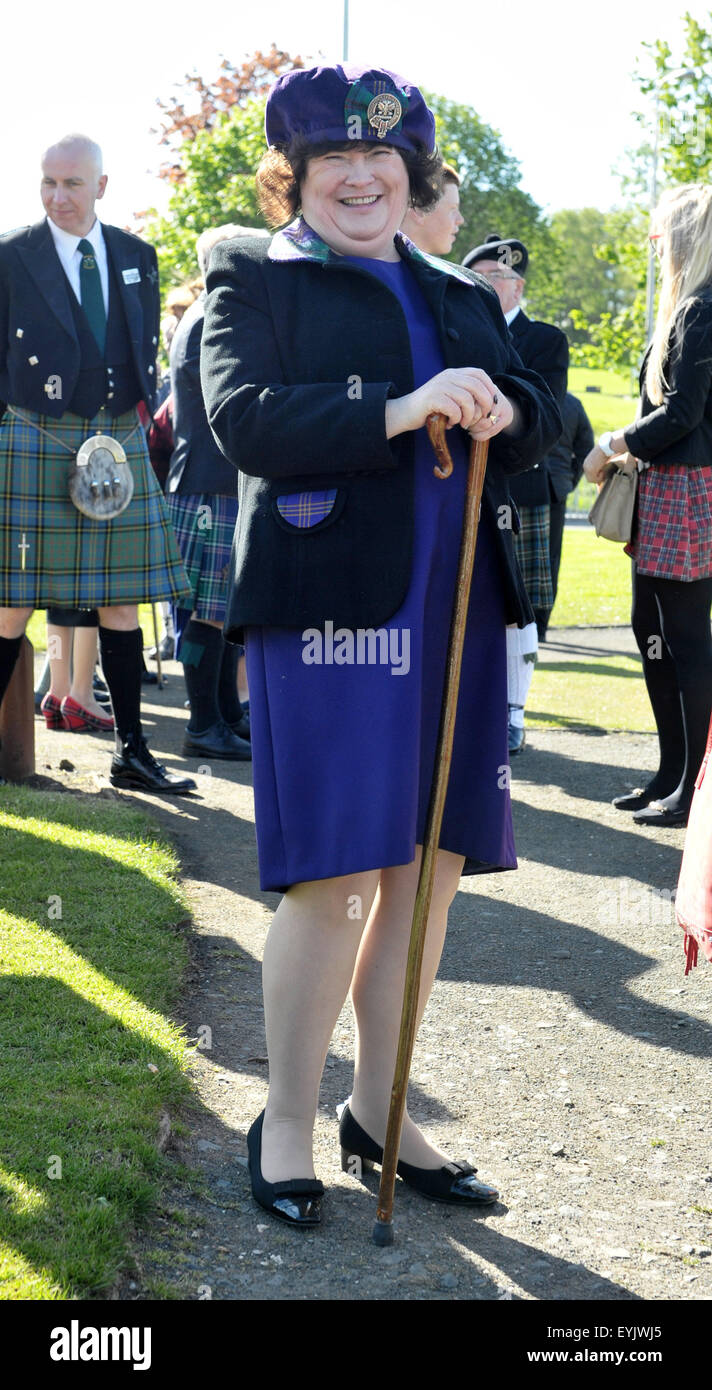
(680, 93)
(587, 268)
(597, 294)
(491, 199)
(234, 86)
(216, 150)
(678, 99)
(217, 185)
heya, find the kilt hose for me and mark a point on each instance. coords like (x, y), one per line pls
(531, 547)
(204, 524)
(50, 553)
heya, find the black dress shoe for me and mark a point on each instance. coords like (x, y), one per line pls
(135, 767)
(657, 813)
(454, 1182)
(216, 742)
(296, 1200)
(634, 801)
(241, 727)
(148, 677)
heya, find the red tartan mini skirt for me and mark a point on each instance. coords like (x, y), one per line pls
(672, 527)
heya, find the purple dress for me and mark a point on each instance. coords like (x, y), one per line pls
(344, 727)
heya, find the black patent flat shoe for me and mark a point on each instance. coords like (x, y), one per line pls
(296, 1201)
(454, 1182)
(633, 801)
(657, 813)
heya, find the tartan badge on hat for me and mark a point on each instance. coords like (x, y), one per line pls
(379, 110)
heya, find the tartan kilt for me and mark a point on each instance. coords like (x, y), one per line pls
(672, 524)
(69, 559)
(204, 524)
(531, 547)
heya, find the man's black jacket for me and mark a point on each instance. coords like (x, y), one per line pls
(197, 464)
(544, 348)
(300, 353)
(38, 335)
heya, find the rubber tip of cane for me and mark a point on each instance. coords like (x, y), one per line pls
(383, 1233)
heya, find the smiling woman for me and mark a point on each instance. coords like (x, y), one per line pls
(282, 173)
(351, 196)
(323, 355)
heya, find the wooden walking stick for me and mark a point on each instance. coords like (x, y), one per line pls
(159, 664)
(383, 1229)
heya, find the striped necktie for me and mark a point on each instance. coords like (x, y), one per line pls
(91, 293)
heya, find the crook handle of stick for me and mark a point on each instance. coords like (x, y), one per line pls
(383, 1228)
(436, 425)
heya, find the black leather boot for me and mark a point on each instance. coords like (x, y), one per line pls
(134, 766)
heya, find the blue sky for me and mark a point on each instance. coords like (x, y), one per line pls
(552, 76)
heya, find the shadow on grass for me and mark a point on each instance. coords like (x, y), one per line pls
(91, 957)
(589, 668)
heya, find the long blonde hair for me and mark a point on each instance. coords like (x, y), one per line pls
(683, 218)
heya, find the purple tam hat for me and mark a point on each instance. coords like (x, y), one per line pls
(347, 102)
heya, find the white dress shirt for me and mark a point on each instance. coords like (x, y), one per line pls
(511, 316)
(67, 246)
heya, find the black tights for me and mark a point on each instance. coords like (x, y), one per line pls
(671, 623)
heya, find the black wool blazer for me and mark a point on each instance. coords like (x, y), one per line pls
(300, 353)
(545, 349)
(38, 339)
(680, 430)
(197, 464)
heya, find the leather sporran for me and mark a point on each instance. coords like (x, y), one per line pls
(101, 482)
(612, 511)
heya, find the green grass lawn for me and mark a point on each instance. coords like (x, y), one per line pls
(594, 581)
(590, 692)
(90, 963)
(606, 694)
(609, 406)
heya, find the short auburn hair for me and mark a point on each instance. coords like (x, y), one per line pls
(280, 175)
(449, 175)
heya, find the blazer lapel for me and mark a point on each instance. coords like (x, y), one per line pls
(123, 257)
(518, 326)
(44, 266)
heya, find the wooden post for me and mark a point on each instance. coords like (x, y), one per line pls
(17, 719)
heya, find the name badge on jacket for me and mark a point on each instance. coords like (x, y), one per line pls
(131, 276)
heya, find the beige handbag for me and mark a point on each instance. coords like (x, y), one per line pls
(612, 511)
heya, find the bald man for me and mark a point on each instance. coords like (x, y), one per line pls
(79, 312)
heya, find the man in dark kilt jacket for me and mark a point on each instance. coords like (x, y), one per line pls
(79, 314)
(544, 349)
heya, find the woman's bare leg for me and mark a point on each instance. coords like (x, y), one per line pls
(308, 964)
(377, 994)
(86, 642)
(59, 650)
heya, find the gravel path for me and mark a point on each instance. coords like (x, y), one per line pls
(563, 1052)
